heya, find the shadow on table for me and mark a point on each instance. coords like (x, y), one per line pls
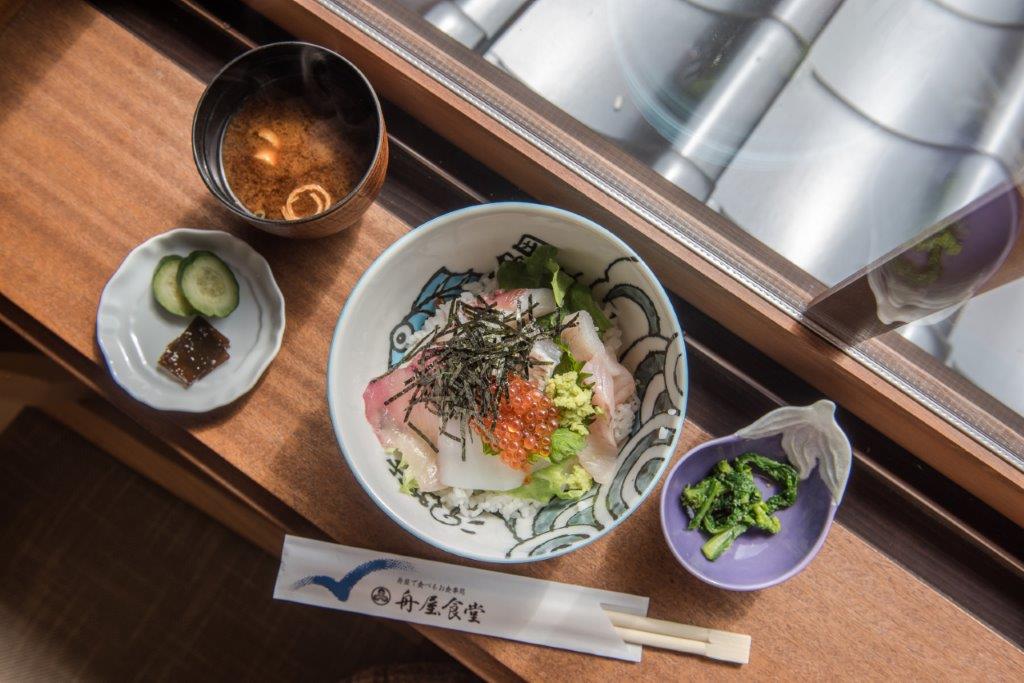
(105, 576)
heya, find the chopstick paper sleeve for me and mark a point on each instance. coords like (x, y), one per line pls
(451, 596)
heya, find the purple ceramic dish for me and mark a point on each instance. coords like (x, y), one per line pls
(755, 560)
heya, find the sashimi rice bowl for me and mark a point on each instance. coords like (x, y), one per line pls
(508, 382)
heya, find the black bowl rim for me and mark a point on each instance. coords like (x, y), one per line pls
(248, 216)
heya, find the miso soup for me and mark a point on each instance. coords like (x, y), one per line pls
(285, 160)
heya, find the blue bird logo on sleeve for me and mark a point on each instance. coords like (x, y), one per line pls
(342, 588)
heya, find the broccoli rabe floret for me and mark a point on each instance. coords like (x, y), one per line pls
(720, 542)
(727, 502)
(783, 475)
(700, 498)
(759, 516)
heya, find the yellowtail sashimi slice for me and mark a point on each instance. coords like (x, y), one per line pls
(414, 438)
(540, 301)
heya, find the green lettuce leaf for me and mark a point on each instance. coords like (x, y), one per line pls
(561, 283)
(531, 272)
(565, 444)
(580, 298)
(540, 269)
(568, 362)
(567, 481)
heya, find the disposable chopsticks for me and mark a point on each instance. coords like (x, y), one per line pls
(668, 635)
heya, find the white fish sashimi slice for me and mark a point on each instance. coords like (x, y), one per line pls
(612, 341)
(584, 342)
(613, 385)
(623, 382)
(599, 462)
(582, 337)
(389, 425)
(600, 453)
(546, 354)
(542, 300)
(478, 470)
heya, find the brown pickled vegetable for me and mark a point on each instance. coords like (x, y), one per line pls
(195, 353)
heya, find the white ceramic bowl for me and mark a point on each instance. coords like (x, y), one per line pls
(397, 293)
(133, 330)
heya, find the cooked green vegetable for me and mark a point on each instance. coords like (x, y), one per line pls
(720, 542)
(784, 475)
(208, 284)
(541, 270)
(727, 502)
(165, 287)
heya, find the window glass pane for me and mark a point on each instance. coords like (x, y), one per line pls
(863, 152)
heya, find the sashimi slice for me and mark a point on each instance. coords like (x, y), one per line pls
(392, 430)
(478, 470)
(545, 355)
(600, 453)
(612, 341)
(581, 336)
(612, 384)
(622, 379)
(542, 300)
(586, 345)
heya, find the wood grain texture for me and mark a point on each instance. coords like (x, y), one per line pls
(101, 122)
(428, 176)
(874, 399)
(8, 8)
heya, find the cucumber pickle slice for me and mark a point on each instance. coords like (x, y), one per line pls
(165, 287)
(208, 284)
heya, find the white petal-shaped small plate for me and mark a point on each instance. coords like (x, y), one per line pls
(133, 330)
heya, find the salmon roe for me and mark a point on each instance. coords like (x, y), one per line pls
(526, 419)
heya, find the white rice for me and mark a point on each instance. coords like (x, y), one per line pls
(622, 420)
(612, 338)
(470, 503)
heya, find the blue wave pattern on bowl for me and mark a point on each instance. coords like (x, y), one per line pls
(657, 363)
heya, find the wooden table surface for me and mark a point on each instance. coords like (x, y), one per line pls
(96, 130)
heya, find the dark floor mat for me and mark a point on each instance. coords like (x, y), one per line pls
(103, 575)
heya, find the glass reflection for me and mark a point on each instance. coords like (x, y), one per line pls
(928, 278)
(872, 144)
